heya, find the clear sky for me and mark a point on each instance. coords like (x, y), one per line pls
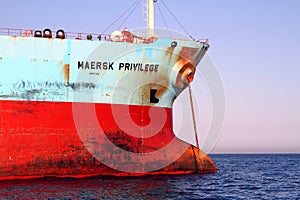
(255, 45)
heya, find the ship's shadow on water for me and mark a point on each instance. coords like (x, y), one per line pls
(238, 177)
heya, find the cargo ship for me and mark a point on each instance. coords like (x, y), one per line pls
(80, 105)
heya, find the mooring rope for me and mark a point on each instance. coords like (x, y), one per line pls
(195, 130)
(193, 115)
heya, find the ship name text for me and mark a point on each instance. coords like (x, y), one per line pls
(138, 67)
(95, 65)
(123, 66)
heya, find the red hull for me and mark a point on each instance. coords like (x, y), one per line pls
(40, 139)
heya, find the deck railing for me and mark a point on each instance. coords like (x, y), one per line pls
(11, 32)
(68, 35)
(81, 36)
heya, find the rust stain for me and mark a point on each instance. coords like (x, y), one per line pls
(1, 58)
(161, 91)
(185, 72)
(33, 60)
(180, 63)
(163, 87)
(67, 72)
(169, 54)
(188, 53)
(186, 65)
(45, 60)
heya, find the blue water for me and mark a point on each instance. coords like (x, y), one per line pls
(238, 177)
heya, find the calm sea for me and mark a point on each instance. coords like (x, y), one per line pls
(238, 177)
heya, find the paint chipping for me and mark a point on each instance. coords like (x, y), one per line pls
(78, 86)
(30, 94)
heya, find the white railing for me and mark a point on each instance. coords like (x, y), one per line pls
(84, 36)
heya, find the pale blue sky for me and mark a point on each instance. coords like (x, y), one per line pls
(254, 43)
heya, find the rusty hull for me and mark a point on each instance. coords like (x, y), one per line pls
(41, 81)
